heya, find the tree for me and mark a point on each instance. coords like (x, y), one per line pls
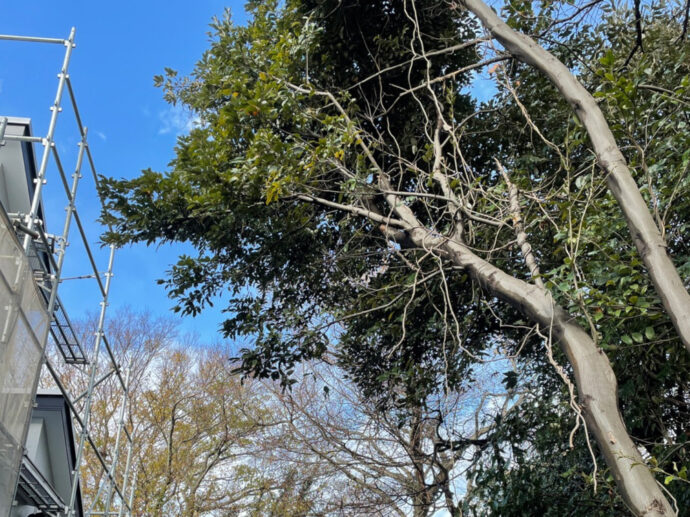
(645, 233)
(195, 425)
(191, 420)
(596, 271)
(378, 461)
(205, 442)
(346, 190)
(137, 341)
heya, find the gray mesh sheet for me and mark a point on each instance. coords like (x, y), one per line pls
(23, 324)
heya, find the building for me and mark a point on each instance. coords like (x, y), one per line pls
(45, 478)
(24, 318)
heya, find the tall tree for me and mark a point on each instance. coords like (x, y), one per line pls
(379, 461)
(594, 268)
(205, 442)
(190, 420)
(138, 340)
(644, 231)
(344, 189)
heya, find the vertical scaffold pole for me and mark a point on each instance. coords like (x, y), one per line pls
(71, 208)
(131, 495)
(116, 454)
(34, 228)
(125, 478)
(62, 249)
(48, 140)
(111, 471)
(3, 128)
(92, 379)
(55, 277)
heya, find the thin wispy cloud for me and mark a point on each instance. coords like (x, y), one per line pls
(101, 135)
(177, 120)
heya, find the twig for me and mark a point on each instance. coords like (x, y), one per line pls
(638, 37)
(579, 417)
(519, 227)
(685, 22)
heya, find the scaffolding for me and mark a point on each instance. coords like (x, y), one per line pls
(31, 267)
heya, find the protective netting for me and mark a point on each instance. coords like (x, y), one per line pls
(23, 326)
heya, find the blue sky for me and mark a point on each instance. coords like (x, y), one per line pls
(120, 46)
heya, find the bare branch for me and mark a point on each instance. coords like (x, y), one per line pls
(519, 228)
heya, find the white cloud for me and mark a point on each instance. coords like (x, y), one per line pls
(177, 120)
(101, 135)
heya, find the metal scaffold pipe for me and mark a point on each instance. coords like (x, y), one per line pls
(71, 207)
(92, 379)
(3, 128)
(118, 481)
(33, 39)
(48, 141)
(131, 495)
(125, 477)
(116, 455)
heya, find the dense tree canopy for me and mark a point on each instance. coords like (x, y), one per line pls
(355, 202)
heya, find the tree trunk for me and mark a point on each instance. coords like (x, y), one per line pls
(595, 380)
(421, 493)
(646, 235)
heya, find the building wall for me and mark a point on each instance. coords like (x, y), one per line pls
(37, 448)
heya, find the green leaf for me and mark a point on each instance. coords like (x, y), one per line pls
(637, 337)
(627, 339)
(608, 59)
(649, 333)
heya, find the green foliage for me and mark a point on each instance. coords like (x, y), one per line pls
(592, 266)
(264, 137)
(305, 279)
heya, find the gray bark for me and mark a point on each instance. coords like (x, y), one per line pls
(594, 377)
(595, 380)
(645, 234)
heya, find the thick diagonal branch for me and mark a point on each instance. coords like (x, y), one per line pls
(646, 235)
(596, 382)
(594, 377)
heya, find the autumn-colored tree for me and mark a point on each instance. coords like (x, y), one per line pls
(188, 416)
